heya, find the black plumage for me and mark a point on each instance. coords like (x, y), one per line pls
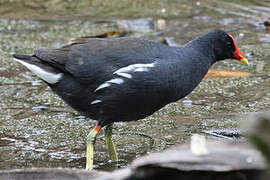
(142, 76)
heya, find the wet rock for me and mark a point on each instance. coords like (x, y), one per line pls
(235, 160)
(172, 174)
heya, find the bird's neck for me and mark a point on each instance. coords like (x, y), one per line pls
(194, 63)
(202, 46)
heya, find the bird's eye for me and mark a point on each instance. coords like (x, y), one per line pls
(229, 44)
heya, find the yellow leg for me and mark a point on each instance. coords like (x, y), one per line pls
(90, 142)
(108, 136)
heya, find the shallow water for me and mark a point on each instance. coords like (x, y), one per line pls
(38, 130)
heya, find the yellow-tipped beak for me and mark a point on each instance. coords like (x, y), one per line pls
(244, 60)
(238, 54)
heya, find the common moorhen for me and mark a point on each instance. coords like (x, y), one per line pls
(126, 79)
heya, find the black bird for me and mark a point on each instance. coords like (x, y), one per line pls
(126, 79)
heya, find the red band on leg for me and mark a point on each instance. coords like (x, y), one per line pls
(97, 128)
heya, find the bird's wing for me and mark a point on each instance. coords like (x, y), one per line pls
(136, 88)
(90, 59)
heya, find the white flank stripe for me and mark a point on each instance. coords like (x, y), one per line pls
(103, 85)
(141, 69)
(116, 81)
(133, 67)
(126, 75)
(125, 69)
(49, 77)
(96, 101)
(108, 83)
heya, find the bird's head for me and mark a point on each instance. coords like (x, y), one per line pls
(225, 47)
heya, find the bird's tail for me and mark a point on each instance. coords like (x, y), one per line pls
(43, 70)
